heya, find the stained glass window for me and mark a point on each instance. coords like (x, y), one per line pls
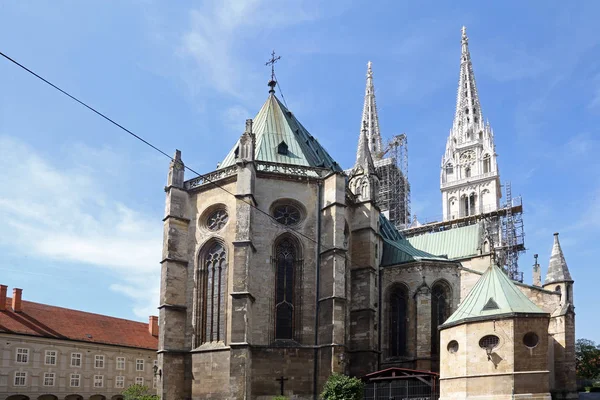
(212, 281)
(217, 220)
(284, 289)
(286, 214)
(439, 313)
(398, 322)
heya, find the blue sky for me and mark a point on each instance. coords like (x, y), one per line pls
(81, 202)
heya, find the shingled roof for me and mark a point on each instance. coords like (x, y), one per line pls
(48, 321)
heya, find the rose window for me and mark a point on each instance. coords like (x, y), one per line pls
(286, 215)
(217, 220)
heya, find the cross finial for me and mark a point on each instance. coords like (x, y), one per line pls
(272, 62)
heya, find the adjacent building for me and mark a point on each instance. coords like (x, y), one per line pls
(55, 353)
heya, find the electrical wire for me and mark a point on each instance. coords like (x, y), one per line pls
(146, 142)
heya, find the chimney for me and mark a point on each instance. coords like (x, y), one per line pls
(3, 289)
(537, 273)
(153, 325)
(16, 300)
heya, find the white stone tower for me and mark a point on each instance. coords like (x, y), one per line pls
(469, 178)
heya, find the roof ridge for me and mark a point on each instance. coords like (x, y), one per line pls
(72, 309)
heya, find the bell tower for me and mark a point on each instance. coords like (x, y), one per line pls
(469, 177)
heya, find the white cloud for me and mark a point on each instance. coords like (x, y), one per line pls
(219, 30)
(65, 215)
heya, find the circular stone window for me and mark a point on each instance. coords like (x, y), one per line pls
(531, 340)
(489, 342)
(217, 220)
(453, 346)
(287, 214)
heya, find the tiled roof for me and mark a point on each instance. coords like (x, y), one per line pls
(493, 295)
(398, 250)
(44, 320)
(456, 243)
(275, 124)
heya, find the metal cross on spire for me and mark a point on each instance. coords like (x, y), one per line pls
(272, 62)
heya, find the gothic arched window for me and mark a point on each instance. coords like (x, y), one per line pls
(440, 307)
(212, 287)
(487, 164)
(286, 255)
(397, 320)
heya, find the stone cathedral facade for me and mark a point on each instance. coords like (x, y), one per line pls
(279, 269)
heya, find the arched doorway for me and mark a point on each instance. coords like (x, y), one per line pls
(47, 397)
(74, 397)
(98, 397)
(17, 397)
(117, 397)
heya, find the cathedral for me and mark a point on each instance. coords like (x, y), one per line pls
(280, 268)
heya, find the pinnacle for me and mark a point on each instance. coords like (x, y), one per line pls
(558, 271)
(370, 119)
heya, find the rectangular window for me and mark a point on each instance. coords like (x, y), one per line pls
(99, 361)
(120, 382)
(50, 357)
(22, 356)
(120, 362)
(139, 365)
(98, 381)
(20, 378)
(75, 359)
(139, 380)
(75, 379)
(49, 378)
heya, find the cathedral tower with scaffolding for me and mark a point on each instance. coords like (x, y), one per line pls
(391, 161)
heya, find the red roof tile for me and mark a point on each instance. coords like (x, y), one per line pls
(63, 323)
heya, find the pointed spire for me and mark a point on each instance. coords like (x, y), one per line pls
(363, 154)
(557, 268)
(370, 117)
(468, 114)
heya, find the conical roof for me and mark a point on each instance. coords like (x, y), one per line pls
(281, 138)
(494, 295)
(557, 268)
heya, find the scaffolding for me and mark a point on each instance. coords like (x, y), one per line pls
(394, 188)
(513, 236)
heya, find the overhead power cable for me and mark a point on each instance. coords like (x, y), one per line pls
(147, 143)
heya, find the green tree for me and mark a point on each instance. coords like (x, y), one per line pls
(587, 357)
(342, 387)
(139, 392)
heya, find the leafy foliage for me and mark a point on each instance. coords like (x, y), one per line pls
(587, 357)
(280, 398)
(342, 387)
(139, 392)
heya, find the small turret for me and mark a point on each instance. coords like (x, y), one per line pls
(537, 272)
(558, 277)
(364, 181)
(176, 170)
(247, 143)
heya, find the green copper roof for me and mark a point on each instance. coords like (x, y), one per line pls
(275, 124)
(492, 296)
(398, 250)
(456, 243)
